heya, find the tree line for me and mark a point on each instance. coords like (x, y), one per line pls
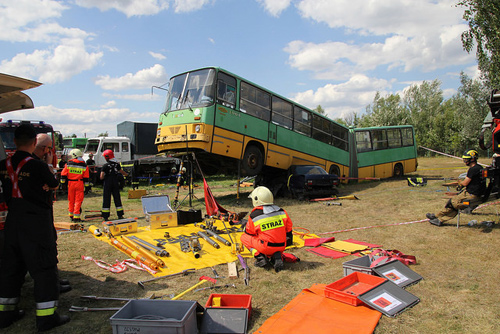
(447, 125)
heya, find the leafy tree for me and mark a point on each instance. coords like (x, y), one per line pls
(385, 111)
(319, 109)
(484, 33)
(104, 134)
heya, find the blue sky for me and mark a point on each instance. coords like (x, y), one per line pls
(98, 59)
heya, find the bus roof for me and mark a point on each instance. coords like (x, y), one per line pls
(258, 86)
(383, 127)
(11, 96)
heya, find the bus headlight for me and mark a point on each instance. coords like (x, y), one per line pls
(197, 128)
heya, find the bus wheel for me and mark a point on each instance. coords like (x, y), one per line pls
(398, 171)
(334, 169)
(252, 161)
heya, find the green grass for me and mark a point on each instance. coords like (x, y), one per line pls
(459, 292)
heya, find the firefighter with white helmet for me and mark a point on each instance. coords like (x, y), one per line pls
(76, 175)
(471, 189)
(111, 174)
(268, 230)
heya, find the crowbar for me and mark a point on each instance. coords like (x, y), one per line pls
(203, 279)
(114, 298)
(91, 309)
(183, 273)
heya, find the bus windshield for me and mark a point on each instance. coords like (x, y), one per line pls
(191, 90)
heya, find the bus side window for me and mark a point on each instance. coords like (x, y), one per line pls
(255, 101)
(363, 141)
(226, 90)
(301, 121)
(394, 138)
(379, 138)
(407, 135)
(339, 136)
(321, 129)
(282, 112)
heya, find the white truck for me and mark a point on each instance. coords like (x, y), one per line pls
(134, 148)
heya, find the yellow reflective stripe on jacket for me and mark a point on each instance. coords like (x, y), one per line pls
(270, 221)
(77, 170)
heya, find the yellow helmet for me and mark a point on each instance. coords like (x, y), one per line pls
(76, 153)
(261, 196)
(470, 154)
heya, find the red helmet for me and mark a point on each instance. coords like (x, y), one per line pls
(108, 154)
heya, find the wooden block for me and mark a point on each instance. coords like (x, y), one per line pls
(68, 226)
(232, 270)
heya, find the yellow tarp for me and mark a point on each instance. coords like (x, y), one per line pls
(179, 260)
(344, 246)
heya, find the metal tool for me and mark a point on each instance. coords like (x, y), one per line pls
(92, 309)
(183, 273)
(157, 250)
(215, 273)
(218, 237)
(247, 270)
(215, 287)
(153, 296)
(203, 279)
(207, 239)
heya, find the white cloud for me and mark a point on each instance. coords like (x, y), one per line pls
(275, 7)
(51, 66)
(146, 78)
(375, 17)
(135, 97)
(341, 99)
(128, 7)
(184, 6)
(84, 121)
(156, 55)
(34, 21)
(109, 104)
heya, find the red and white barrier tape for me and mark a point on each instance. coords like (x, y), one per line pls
(395, 224)
(120, 267)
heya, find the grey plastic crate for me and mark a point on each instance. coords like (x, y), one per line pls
(147, 316)
(361, 264)
(224, 321)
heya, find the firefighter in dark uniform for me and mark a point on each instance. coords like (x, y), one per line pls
(30, 241)
(268, 230)
(111, 174)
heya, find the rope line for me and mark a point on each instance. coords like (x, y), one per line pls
(396, 224)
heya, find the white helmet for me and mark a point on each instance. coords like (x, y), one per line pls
(261, 196)
(76, 153)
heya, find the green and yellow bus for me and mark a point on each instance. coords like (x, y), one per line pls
(382, 152)
(225, 119)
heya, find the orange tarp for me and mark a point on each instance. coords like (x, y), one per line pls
(312, 312)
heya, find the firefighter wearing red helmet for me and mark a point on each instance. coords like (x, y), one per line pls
(268, 230)
(111, 174)
(76, 175)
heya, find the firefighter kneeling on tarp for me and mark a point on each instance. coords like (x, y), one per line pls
(268, 230)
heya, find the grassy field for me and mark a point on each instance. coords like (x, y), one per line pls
(459, 292)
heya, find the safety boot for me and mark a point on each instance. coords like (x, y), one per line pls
(278, 262)
(435, 221)
(7, 318)
(260, 261)
(45, 323)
